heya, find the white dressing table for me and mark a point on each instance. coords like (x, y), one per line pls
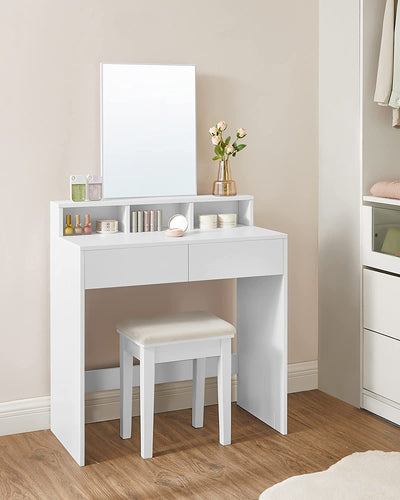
(256, 256)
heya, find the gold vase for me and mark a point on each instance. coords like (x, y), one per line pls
(224, 185)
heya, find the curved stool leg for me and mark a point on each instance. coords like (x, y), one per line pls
(199, 375)
(224, 392)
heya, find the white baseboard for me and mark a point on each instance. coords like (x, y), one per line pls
(302, 376)
(25, 415)
(28, 415)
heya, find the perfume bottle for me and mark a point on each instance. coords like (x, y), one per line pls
(78, 187)
(94, 187)
(68, 229)
(88, 225)
(78, 229)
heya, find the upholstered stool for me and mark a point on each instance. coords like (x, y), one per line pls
(174, 337)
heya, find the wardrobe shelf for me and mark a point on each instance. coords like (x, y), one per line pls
(381, 201)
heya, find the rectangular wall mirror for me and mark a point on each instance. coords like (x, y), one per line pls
(148, 130)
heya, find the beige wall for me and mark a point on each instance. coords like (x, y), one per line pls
(256, 67)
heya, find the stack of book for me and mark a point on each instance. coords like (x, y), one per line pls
(144, 221)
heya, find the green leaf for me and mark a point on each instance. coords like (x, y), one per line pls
(234, 154)
(216, 158)
(234, 144)
(241, 146)
(216, 150)
(227, 140)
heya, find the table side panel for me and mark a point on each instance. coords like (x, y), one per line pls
(67, 305)
(262, 347)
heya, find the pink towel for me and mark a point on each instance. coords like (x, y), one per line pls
(386, 189)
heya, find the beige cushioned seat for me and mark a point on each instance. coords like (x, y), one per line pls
(175, 327)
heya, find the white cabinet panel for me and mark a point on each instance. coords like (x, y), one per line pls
(135, 266)
(235, 259)
(381, 365)
(382, 303)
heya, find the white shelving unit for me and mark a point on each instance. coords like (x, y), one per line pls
(380, 391)
(359, 286)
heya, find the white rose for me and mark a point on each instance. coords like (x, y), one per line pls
(216, 139)
(229, 149)
(241, 132)
(221, 126)
(213, 131)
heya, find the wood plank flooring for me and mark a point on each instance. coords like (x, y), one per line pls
(189, 463)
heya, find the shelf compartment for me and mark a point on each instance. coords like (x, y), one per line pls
(242, 208)
(376, 252)
(97, 212)
(167, 211)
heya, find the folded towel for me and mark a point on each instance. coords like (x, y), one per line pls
(386, 189)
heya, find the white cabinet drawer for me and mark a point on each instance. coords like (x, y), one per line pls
(235, 260)
(135, 266)
(381, 303)
(381, 370)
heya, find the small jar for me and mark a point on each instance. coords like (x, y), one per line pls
(78, 187)
(94, 187)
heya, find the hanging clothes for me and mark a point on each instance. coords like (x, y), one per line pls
(394, 101)
(388, 70)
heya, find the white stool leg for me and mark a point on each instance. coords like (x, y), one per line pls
(199, 375)
(125, 397)
(224, 392)
(146, 401)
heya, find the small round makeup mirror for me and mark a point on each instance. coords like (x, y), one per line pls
(178, 221)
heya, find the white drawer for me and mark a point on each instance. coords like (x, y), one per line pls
(135, 266)
(381, 370)
(381, 303)
(235, 260)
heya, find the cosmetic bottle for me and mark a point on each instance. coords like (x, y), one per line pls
(68, 229)
(78, 187)
(88, 225)
(78, 229)
(94, 187)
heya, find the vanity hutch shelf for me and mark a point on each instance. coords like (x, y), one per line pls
(189, 206)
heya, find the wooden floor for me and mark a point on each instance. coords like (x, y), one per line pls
(189, 463)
